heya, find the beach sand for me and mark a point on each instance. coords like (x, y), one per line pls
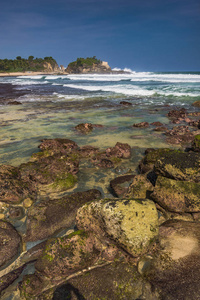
(27, 73)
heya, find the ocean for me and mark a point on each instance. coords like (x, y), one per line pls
(52, 105)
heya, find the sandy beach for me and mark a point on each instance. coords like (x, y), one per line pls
(29, 73)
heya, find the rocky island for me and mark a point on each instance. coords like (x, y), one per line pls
(88, 65)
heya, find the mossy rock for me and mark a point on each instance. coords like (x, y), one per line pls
(148, 162)
(196, 143)
(179, 165)
(132, 224)
(177, 196)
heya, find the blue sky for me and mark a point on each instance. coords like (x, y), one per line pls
(144, 35)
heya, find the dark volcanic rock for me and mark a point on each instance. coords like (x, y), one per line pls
(51, 169)
(176, 114)
(14, 103)
(179, 165)
(141, 125)
(160, 128)
(157, 124)
(9, 242)
(125, 103)
(47, 217)
(122, 282)
(53, 146)
(12, 188)
(180, 134)
(148, 162)
(121, 184)
(119, 150)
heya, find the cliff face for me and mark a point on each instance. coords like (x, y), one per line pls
(83, 67)
(51, 67)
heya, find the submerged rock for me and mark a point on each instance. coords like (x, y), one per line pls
(9, 242)
(47, 217)
(141, 125)
(132, 224)
(84, 128)
(125, 103)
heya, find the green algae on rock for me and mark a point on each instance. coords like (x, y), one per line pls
(196, 143)
(179, 165)
(177, 196)
(132, 224)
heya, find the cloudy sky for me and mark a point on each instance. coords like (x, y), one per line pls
(144, 35)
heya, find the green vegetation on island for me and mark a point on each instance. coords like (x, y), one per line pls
(89, 61)
(88, 65)
(31, 64)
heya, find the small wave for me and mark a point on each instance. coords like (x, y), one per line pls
(27, 82)
(133, 90)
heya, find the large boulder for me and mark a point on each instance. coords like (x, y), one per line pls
(47, 217)
(179, 165)
(63, 258)
(122, 282)
(132, 224)
(177, 196)
(175, 270)
(9, 242)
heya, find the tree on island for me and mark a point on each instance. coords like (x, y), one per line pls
(31, 64)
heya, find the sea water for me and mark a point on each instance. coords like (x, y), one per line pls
(52, 105)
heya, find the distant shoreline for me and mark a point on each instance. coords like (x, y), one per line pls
(29, 73)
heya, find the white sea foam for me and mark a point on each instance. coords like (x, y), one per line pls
(133, 90)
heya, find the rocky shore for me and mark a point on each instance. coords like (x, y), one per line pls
(143, 242)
